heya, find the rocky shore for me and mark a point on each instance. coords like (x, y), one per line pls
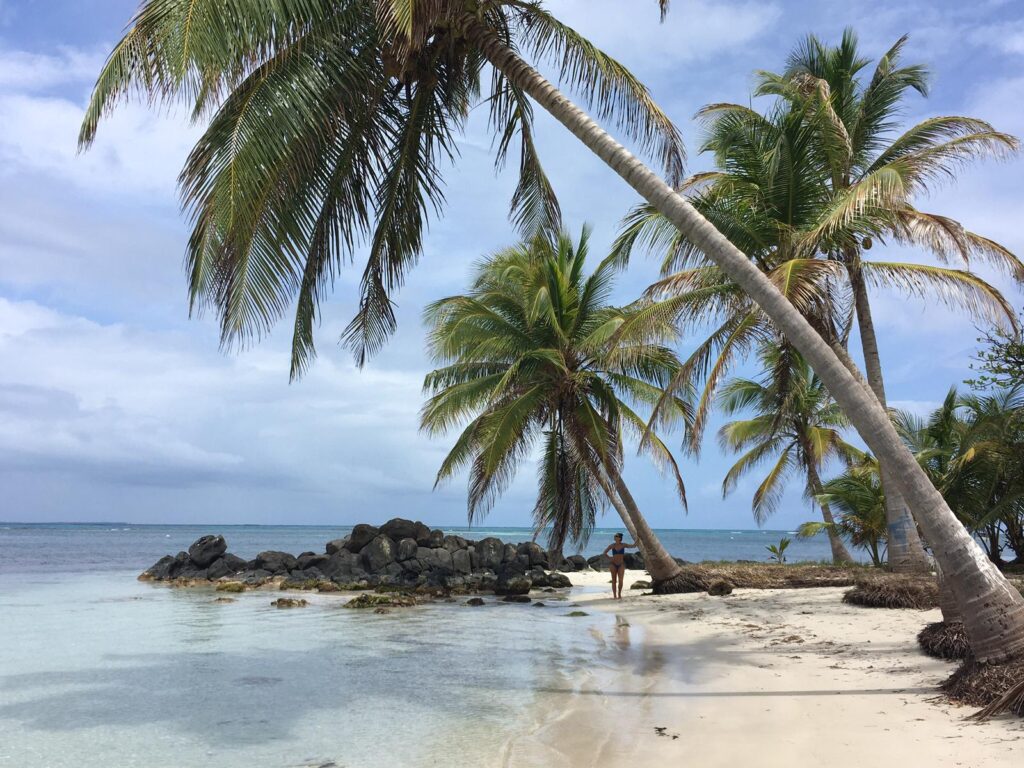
(400, 553)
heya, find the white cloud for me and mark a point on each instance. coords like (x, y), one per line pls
(109, 401)
(136, 151)
(25, 71)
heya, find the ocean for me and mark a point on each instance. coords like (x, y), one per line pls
(80, 548)
(98, 670)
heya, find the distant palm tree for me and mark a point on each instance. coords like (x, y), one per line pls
(332, 122)
(804, 189)
(973, 447)
(796, 426)
(535, 355)
(874, 175)
(858, 502)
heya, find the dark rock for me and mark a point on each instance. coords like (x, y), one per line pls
(378, 553)
(558, 580)
(340, 564)
(406, 549)
(167, 567)
(720, 588)
(634, 561)
(578, 562)
(426, 558)
(336, 545)
(234, 563)
(513, 568)
(475, 601)
(443, 558)
(399, 528)
(490, 551)
(509, 553)
(517, 599)
(412, 565)
(461, 561)
(206, 549)
(640, 585)
(539, 604)
(535, 553)
(217, 569)
(275, 562)
(433, 540)
(514, 585)
(361, 535)
(311, 560)
(454, 543)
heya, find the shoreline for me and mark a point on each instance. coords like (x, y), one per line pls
(769, 677)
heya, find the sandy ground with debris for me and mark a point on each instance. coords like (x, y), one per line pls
(762, 678)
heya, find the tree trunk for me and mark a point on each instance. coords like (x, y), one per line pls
(660, 564)
(906, 553)
(840, 554)
(947, 602)
(993, 609)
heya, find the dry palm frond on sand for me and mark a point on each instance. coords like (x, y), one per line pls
(944, 641)
(996, 688)
(895, 592)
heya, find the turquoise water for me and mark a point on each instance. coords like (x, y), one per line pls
(98, 670)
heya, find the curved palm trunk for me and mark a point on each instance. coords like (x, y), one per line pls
(840, 554)
(906, 553)
(993, 609)
(947, 602)
(660, 564)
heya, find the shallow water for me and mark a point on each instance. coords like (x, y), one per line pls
(98, 670)
(101, 670)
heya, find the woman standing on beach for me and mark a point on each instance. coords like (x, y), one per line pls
(618, 566)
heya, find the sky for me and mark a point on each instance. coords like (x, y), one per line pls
(115, 405)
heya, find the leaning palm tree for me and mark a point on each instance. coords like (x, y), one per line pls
(806, 209)
(331, 123)
(795, 426)
(534, 355)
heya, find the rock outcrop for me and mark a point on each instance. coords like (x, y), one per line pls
(401, 553)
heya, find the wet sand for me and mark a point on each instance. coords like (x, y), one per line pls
(762, 677)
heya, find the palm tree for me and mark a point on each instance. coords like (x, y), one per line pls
(331, 122)
(874, 174)
(534, 354)
(796, 425)
(972, 446)
(779, 196)
(858, 502)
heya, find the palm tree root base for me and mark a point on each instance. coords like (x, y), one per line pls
(995, 687)
(680, 583)
(895, 592)
(945, 641)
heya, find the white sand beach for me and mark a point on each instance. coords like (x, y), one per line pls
(763, 677)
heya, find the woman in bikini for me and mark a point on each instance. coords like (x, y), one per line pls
(618, 566)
